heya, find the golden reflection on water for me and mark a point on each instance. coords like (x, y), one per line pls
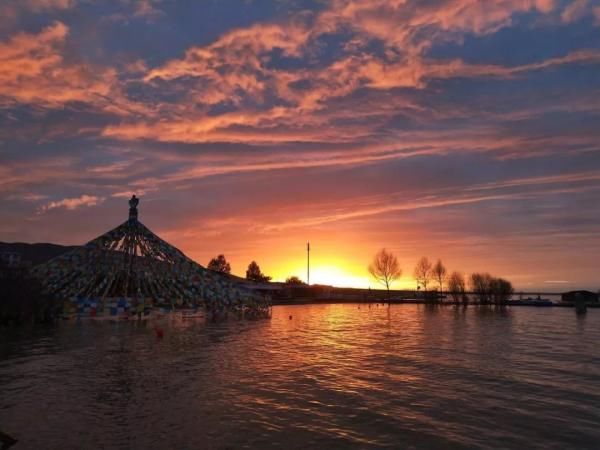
(331, 376)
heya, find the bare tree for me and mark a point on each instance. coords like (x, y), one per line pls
(481, 284)
(456, 286)
(488, 288)
(385, 268)
(501, 290)
(423, 272)
(439, 273)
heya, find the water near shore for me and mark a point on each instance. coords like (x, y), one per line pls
(331, 376)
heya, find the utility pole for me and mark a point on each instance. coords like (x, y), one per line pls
(308, 263)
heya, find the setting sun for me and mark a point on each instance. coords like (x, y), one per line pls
(331, 271)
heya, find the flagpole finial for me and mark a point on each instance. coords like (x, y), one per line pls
(133, 212)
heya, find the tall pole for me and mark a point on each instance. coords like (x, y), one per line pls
(308, 263)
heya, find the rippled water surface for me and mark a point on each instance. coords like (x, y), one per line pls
(331, 376)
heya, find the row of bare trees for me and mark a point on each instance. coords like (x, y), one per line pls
(426, 272)
(490, 289)
(486, 289)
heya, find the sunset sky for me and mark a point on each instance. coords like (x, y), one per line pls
(462, 129)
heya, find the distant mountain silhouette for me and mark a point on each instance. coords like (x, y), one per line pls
(36, 253)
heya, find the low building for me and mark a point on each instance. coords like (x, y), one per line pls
(586, 296)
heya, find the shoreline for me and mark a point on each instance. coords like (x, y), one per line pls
(325, 301)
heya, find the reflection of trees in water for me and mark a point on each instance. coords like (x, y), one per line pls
(436, 327)
(493, 335)
(581, 319)
(460, 333)
(459, 326)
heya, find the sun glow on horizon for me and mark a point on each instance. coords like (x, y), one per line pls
(335, 273)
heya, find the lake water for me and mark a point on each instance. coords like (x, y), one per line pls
(332, 376)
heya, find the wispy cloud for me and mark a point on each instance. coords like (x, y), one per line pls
(73, 203)
(553, 180)
(28, 197)
(575, 10)
(148, 9)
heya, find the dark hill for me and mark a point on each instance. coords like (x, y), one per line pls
(36, 253)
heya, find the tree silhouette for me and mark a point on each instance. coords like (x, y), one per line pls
(295, 281)
(456, 286)
(481, 285)
(253, 273)
(219, 264)
(385, 268)
(488, 288)
(439, 273)
(423, 272)
(501, 290)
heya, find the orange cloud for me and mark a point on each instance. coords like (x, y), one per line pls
(234, 63)
(339, 79)
(398, 22)
(235, 67)
(34, 71)
(40, 5)
(74, 203)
